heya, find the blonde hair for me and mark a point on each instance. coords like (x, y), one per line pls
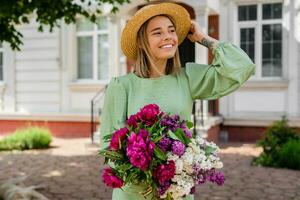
(144, 58)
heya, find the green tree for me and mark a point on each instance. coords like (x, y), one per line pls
(47, 13)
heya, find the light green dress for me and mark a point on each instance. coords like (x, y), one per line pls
(125, 95)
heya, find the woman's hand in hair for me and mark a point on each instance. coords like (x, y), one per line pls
(197, 35)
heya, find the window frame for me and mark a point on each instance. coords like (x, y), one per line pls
(2, 52)
(258, 25)
(95, 33)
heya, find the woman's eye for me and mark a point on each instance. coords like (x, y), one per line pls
(156, 33)
(172, 31)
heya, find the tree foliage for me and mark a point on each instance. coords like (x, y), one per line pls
(47, 13)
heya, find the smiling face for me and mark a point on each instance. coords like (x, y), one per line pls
(162, 38)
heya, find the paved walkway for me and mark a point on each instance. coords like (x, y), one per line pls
(71, 171)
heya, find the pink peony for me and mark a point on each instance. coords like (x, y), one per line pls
(110, 179)
(117, 137)
(140, 149)
(149, 114)
(132, 121)
(165, 172)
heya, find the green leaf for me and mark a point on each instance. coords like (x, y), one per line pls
(208, 150)
(124, 167)
(172, 135)
(189, 124)
(159, 153)
(111, 154)
(158, 139)
(183, 138)
(148, 176)
(107, 137)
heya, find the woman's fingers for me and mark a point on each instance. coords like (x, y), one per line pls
(192, 36)
(195, 34)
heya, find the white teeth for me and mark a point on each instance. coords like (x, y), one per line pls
(167, 46)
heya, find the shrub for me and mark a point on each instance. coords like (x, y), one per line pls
(279, 140)
(289, 155)
(28, 138)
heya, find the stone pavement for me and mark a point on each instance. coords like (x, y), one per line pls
(71, 171)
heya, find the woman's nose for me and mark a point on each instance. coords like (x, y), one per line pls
(167, 36)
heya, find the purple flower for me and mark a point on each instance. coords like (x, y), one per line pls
(217, 177)
(171, 122)
(165, 144)
(163, 188)
(201, 176)
(140, 149)
(187, 132)
(185, 129)
(193, 190)
(178, 148)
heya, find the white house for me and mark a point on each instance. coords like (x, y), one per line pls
(52, 80)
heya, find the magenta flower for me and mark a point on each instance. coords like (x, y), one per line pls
(164, 172)
(140, 149)
(110, 179)
(178, 148)
(117, 137)
(132, 121)
(149, 114)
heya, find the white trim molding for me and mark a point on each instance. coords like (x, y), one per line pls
(266, 85)
(258, 122)
(86, 87)
(48, 117)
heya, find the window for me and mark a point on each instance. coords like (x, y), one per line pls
(1, 62)
(260, 36)
(92, 49)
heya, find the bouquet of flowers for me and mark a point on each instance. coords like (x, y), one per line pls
(158, 149)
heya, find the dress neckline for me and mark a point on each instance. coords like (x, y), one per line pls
(151, 79)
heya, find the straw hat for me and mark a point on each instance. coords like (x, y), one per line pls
(179, 15)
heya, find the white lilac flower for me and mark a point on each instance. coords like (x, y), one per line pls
(179, 166)
(219, 165)
(194, 155)
(188, 158)
(199, 157)
(200, 140)
(172, 156)
(195, 148)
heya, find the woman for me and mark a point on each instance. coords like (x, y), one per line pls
(151, 38)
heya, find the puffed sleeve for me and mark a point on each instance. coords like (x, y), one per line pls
(230, 68)
(114, 109)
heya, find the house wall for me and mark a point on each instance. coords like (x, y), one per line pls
(248, 111)
(41, 78)
(263, 98)
(32, 75)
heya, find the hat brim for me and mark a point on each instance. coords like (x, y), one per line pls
(179, 15)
